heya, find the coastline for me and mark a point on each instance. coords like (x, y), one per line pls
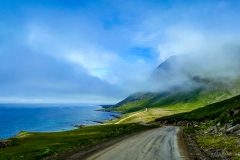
(93, 119)
(115, 114)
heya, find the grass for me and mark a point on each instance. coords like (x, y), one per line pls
(150, 115)
(30, 145)
(181, 100)
(217, 111)
(169, 103)
(218, 144)
(199, 105)
(227, 145)
(167, 106)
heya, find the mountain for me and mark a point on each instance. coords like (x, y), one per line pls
(187, 82)
(183, 99)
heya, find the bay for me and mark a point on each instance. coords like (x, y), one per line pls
(47, 117)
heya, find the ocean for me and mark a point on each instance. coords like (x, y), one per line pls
(47, 117)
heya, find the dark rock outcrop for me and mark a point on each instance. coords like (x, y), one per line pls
(4, 143)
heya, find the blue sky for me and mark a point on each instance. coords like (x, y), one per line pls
(101, 51)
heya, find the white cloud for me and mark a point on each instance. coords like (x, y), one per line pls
(110, 66)
(180, 40)
(91, 59)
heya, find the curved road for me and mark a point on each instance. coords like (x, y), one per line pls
(156, 144)
(131, 116)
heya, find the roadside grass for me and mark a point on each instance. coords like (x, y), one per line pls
(33, 145)
(209, 106)
(228, 145)
(218, 144)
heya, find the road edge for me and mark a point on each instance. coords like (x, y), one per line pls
(193, 149)
(183, 146)
(83, 154)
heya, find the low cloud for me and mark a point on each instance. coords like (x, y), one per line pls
(41, 76)
(189, 71)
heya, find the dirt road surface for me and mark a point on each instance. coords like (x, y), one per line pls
(131, 116)
(157, 144)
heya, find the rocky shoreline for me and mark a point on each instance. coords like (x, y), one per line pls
(78, 126)
(98, 121)
(110, 110)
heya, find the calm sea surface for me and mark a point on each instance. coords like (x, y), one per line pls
(46, 117)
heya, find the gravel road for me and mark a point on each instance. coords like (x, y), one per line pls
(131, 116)
(156, 144)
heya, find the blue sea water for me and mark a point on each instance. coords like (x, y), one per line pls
(46, 117)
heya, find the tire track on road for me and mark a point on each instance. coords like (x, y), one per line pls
(155, 144)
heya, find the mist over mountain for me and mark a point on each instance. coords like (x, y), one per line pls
(190, 71)
(191, 80)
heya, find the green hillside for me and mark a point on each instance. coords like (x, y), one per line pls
(190, 87)
(219, 111)
(180, 99)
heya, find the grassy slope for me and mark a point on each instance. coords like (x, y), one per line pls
(38, 145)
(163, 104)
(216, 111)
(182, 100)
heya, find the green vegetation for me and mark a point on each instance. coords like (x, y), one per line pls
(173, 102)
(30, 145)
(217, 144)
(164, 104)
(226, 145)
(203, 105)
(217, 111)
(179, 99)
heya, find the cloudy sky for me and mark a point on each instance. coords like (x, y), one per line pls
(101, 51)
